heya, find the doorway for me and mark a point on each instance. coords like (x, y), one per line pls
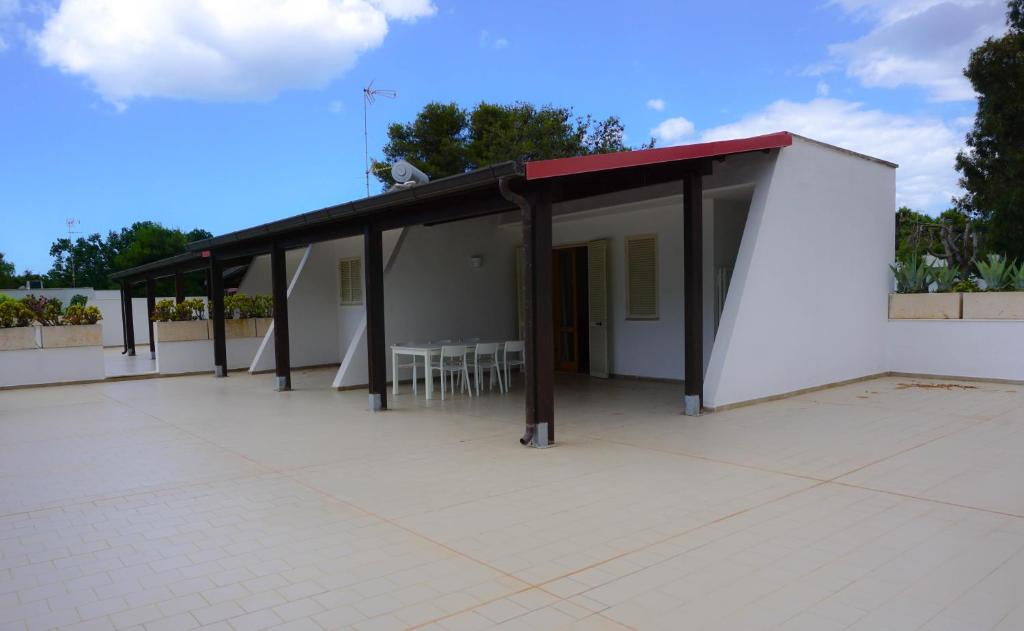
(570, 306)
(579, 306)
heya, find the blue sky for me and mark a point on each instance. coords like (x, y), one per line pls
(227, 113)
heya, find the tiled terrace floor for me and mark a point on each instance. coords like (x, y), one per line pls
(178, 503)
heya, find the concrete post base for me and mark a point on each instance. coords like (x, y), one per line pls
(691, 405)
(131, 352)
(376, 404)
(152, 355)
(283, 385)
(219, 371)
(540, 437)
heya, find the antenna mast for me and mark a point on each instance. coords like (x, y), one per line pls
(370, 95)
(71, 223)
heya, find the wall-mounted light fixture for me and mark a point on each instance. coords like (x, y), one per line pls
(476, 261)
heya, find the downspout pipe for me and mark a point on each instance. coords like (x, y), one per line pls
(520, 201)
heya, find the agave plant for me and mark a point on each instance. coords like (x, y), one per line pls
(1017, 277)
(912, 276)
(945, 276)
(995, 271)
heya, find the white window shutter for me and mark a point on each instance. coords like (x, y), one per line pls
(642, 277)
(350, 281)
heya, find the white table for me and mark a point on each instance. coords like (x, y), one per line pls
(426, 350)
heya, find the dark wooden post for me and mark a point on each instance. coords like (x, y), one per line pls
(693, 294)
(376, 347)
(220, 349)
(282, 350)
(540, 360)
(129, 320)
(179, 287)
(150, 307)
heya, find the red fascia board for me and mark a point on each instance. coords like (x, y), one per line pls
(558, 167)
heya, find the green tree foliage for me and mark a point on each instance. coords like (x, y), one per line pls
(8, 276)
(95, 258)
(446, 139)
(992, 169)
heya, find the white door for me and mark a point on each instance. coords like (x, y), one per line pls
(597, 288)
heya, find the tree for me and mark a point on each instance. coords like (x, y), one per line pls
(95, 258)
(8, 276)
(951, 237)
(992, 170)
(445, 139)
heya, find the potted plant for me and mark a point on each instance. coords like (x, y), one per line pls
(912, 300)
(16, 330)
(1002, 297)
(179, 322)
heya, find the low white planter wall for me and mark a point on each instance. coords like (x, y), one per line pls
(186, 347)
(51, 354)
(957, 348)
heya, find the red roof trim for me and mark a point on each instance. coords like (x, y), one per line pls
(542, 169)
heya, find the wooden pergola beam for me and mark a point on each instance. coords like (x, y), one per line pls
(693, 294)
(376, 348)
(539, 330)
(128, 318)
(282, 348)
(220, 350)
(150, 308)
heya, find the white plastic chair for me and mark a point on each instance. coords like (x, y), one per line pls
(485, 357)
(411, 363)
(450, 362)
(516, 347)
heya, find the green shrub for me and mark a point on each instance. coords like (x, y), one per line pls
(912, 276)
(80, 314)
(995, 271)
(262, 306)
(45, 311)
(168, 311)
(966, 286)
(243, 306)
(945, 277)
(77, 300)
(13, 313)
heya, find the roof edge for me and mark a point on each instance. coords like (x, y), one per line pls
(543, 169)
(851, 152)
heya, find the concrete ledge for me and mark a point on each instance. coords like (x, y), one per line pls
(183, 331)
(994, 305)
(70, 336)
(19, 338)
(945, 306)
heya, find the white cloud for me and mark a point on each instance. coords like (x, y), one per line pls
(923, 43)
(214, 50)
(924, 148)
(656, 104)
(672, 131)
(822, 89)
(486, 41)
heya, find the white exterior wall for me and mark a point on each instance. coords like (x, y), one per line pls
(432, 291)
(175, 358)
(51, 365)
(984, 349)
(808, 304)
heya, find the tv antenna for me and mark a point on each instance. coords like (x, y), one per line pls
(71, 223)
(370, 95)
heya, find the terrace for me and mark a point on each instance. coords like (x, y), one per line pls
(891, 503)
